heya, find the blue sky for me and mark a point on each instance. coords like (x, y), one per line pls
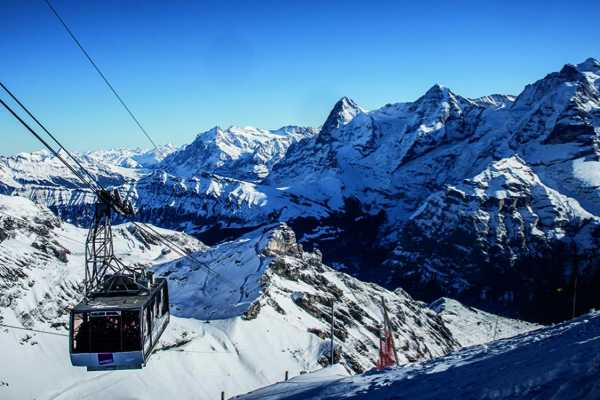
(185, 66)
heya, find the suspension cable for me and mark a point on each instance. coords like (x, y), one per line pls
(148, 230)
(50, 148)
(95, 186)
(99, 71)
(48, 133)
(33, 330)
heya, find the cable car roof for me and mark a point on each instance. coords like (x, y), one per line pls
(129, 302)
(120, 302)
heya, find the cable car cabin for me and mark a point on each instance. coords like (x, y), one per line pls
(119, 330)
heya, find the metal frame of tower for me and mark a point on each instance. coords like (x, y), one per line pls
(104, 273)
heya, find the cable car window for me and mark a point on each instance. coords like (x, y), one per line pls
(132, 340)
(165, 300)
(81, 333)
(105, 329)
(147, 322)
(157, 305)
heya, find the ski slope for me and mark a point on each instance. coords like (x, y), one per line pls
(561, 362)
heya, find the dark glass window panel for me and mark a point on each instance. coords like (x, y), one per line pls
(105, 333)
(132, 340)
(81, 333)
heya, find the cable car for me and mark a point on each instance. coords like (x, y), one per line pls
(119, 331)
(125, 310)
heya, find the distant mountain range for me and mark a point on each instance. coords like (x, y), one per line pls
(494, 201)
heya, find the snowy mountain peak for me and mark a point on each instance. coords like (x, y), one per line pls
(589, 65)
(437, 90)
(438, 93)
(241, 152)
(571, 73)
(440, 101)
(343, 113)
(561, 108)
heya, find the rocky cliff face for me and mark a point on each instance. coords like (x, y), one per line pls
(266, 275)
(503, 239)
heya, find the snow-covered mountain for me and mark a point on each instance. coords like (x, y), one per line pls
(266, 278)
(371, 188)
(244, 153)
(245, 313)
(403, 158)
(470, 326)
(136, 158)
(559, 362)
(109, 167)
(495, 236)
(43, 178)
(363, 157)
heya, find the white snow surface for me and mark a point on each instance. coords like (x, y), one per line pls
(560, 362)
(471, 326)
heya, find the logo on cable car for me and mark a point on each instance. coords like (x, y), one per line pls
(105, 358)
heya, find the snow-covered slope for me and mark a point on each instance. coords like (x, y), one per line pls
(210, 205)
(470, 326)
(561, 362)
(42, 261)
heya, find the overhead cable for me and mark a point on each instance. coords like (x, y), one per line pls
(99, 71)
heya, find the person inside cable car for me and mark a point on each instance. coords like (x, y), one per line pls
(131, 332)
(81, 337)
(106, 333)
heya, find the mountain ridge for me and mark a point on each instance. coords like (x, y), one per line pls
(358, 181)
